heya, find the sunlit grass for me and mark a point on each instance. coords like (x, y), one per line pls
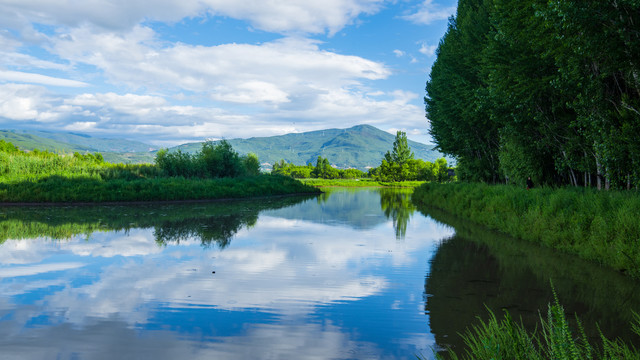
(47, 177)
(599, 226)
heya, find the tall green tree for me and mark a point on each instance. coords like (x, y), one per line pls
(401, 151)
(460, 122)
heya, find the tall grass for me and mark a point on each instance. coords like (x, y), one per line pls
(554, 339)
(598, 226)
(47, 177)
(61, 189)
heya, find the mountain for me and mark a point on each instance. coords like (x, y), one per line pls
(113, 150)
(360, 147)
(90, 142)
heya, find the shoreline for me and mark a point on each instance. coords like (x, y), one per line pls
(143, 202)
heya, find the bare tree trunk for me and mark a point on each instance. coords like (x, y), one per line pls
(598, 173)
(572, 174)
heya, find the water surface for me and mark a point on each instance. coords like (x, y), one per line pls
(352, 274)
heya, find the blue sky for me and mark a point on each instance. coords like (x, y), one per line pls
(167, 72)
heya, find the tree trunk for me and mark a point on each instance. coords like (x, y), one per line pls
(598, 173)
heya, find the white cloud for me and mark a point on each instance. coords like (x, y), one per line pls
(164, 92)
(26, 102)
(39, 79)
(429, 12)
(428, 50)
(398, 53)
(309, 16)
(269, 71)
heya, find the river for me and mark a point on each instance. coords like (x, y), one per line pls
(350, 274)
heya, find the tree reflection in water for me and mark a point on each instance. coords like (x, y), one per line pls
(209, 222)
(478, 269)
(397, 206)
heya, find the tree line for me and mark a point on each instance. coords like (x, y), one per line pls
(397, 165)
(543, 88)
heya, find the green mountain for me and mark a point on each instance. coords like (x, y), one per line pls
(359, 147)
(90, 142)
(113, 150)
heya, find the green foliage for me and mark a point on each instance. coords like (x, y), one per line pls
(41, 176)
(399, 165)
(401, 151)
(508, 339)
(361, 183)
(8, 147)
(62, 189)
(597, 226)
(322, 170)
(215, 160)
(412, 170)
(547, 89)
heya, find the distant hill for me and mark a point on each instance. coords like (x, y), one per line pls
(359, 147)
(113, 150)
(90, 142)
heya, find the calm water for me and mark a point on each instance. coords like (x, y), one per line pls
(352, 274)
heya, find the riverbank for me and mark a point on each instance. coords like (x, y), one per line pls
(360, 183)
(597, 226)
(57, 189)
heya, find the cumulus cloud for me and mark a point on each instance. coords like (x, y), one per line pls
(231, 72)
(429, 12)
(310, 16)
(27, 102)
(165, 92)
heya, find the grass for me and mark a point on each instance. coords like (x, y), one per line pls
(554, 339)
(360, 183)
(60, 189)
(41, 176)
(597, 226)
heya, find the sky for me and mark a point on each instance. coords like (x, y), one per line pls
(167, 72)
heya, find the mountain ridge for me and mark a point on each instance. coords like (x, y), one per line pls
(360, 146)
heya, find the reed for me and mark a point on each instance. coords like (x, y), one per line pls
(555, 338)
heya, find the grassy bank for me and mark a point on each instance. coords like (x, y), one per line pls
(360, 183)
(77, 189)
(597, 226)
